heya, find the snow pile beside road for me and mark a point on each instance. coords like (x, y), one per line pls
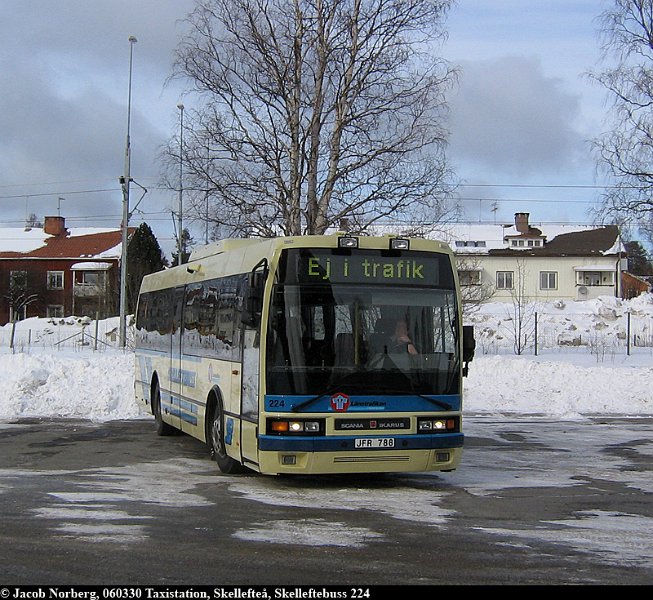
(50, 380)
(526, 385)
(93, 386)
(100, 386)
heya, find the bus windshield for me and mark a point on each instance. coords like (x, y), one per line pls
(364, 323)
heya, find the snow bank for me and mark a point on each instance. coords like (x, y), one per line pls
(566, 390)
(92, 386)
(100, 386)
(46, 379)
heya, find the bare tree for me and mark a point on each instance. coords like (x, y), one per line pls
(626, 151)
(474, 291)
(311, 111)
(521, 313)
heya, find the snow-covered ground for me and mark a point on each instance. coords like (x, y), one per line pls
(50, 374)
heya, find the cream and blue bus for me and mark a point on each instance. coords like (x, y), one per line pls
(309, 354)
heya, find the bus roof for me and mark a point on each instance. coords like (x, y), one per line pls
(318, 241)
(233, 256)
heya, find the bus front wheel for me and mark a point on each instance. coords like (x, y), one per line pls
(226, 464)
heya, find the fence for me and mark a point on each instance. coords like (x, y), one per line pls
(601, 330)
(71, 333)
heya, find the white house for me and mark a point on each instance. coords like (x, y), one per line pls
(547, 262)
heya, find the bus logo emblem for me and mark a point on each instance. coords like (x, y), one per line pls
(340, 402)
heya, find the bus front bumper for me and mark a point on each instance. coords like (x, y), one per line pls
(338, 454)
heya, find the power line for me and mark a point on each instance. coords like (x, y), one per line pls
(67, 193)
(543, 186)
(552, 200)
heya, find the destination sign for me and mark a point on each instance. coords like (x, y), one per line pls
(325, 266)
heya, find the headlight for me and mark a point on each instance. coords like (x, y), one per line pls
(437, 425)
(284, 426)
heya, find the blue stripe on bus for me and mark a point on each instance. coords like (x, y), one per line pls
(378, 403)
(179, 407)
(175, 357)
(340, 443)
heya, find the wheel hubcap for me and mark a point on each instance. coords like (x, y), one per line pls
(216, 430)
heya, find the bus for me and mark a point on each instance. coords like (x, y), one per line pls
(308, 354)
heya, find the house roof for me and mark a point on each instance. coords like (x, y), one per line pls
(598, 241)
(555, 240)
(559, 240)
(77, 243)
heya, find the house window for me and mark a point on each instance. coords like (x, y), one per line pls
(17, 314)
(505, 280)
(595, 278)
(18, 279)
(87, 278)
(470, 244)
(54, 311)
(548, 280)
(469, 277)
(55, 280)
(17, 295)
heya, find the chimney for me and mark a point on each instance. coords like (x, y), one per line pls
(521, 222)
(54, 226)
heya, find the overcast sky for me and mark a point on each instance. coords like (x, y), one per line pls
(521, 117)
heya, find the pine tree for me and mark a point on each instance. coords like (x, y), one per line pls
(144, 256)
(638, 261)
(186, 247)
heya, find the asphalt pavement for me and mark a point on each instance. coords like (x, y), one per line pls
(534, 501)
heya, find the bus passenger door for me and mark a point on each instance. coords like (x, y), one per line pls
(250, 393)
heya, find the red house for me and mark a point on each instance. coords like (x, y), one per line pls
(56, 272)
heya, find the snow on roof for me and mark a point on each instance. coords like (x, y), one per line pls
(481, 238)
(91, 266)
(14, 239)
(25, 240)
(493, 237)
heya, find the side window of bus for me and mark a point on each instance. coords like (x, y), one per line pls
(142, 313)
(212, 318)
(154, 319)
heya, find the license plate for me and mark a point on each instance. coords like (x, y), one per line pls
(374, 443)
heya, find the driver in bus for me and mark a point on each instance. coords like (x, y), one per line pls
(400, 340)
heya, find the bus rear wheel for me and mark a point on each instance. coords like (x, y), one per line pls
(226, 464)
(162, 428)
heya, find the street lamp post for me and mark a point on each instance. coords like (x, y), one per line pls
(181, 183)
(125, 180)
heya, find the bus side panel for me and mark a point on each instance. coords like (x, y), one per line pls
(142, 379)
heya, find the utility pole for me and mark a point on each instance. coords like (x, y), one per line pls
(125, 180)
(181, 183)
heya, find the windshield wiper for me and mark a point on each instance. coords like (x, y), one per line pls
(435, 401)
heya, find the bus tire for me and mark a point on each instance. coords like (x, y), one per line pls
(162, 428)
(217, 446)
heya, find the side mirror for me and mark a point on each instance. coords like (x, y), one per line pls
(469, 346)
(253, 304)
